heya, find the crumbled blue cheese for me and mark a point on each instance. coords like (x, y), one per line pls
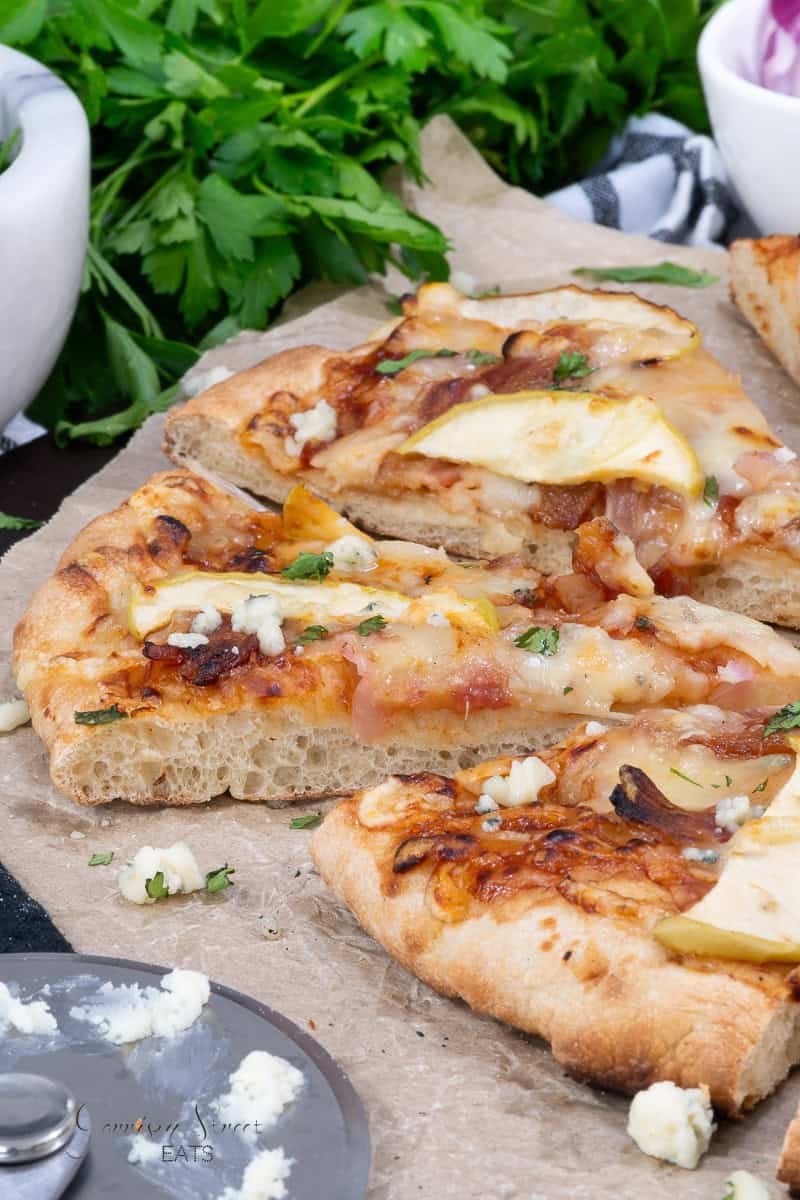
(695, 854)
(741, 1185)
(261, 1087)
(128, 1012)
(437, 619)
(353, 553)
(485, 803)
(208, 620)
(594, 729)
(264, 1177)
(176, 863)
(317, 424)
(733, 811)
(672, 1123)
(491, 824)
(782, 455)
(13, 713)
(523, 783)
(187, 641)
(261, 615)
(33, 1017)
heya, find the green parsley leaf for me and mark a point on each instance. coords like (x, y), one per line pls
(481, 358)
(760, 787)
(787, 717)
(728, 781)
(7, 147)
(100, 716)
(372, 625)
(394, 305)
(538, 640)
(312, 633)
(711, 491)
(310, 821)
(155, 887)
(572, 365)
(664, 272)
(309, 566)
(8, 522)
(685, 778)
(567, 691)
(393, 366)
(101, 858)
(218, 880)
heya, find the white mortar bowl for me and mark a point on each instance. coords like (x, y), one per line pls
(44, 218)
(757, 131)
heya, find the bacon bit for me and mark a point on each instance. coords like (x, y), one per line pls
(607, 557)
(207, 664)
(163, 652)
(577, 593)
(568, 507)
(636, 798)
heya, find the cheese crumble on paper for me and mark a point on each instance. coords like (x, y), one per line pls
(176, 863)
(13, 713)
(128, 1013)
(671, 1122)
(260, 1089)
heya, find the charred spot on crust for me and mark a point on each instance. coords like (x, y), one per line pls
(176, 530)
(251, 561)
(440, 785)
(445, 847)
(555, 836)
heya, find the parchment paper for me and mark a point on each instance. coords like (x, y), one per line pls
(459, 1105)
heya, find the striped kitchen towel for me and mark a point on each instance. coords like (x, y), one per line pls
(659, 179)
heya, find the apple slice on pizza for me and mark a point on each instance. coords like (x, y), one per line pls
(502, 424)
(188, 645)
(626, 895)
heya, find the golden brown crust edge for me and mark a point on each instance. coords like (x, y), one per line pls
(789, 1163)
(616, 1010)
(765, 284)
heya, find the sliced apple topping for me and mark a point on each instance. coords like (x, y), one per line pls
(563, 437)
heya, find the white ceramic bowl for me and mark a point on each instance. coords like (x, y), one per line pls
(44, 217)
(757, 131)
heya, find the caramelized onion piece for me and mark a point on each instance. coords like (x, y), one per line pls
(444, 846)
(636, 798)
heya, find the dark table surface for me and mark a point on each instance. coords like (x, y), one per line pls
(34, 479)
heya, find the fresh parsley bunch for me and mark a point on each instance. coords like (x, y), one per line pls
(239, 145)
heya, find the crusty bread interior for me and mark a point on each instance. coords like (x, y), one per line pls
(257, 757)
(765, 586)
(764, 284)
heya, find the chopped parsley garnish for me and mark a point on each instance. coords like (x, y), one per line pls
(728, 781)
(155, 887)
(372, 625)
(9, 522)
(711, 491)
(310, 821)
(312, 633)
(309, 566)
(760, 787)
(538, 640)
(686, 778)
(572, 365)
(100, 716)
(481, 358)
(101, 859)
(394, 305)
(218, 880)
(567, 691)
(787, 717)
(393, 366)
(663, 272)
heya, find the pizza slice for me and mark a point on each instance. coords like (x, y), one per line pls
(764, 284)
(594, 895)
(188, 645)
(500, 425)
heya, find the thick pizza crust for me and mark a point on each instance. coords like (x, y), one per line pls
(615, 1008)
(74, 633)
(764, 284)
